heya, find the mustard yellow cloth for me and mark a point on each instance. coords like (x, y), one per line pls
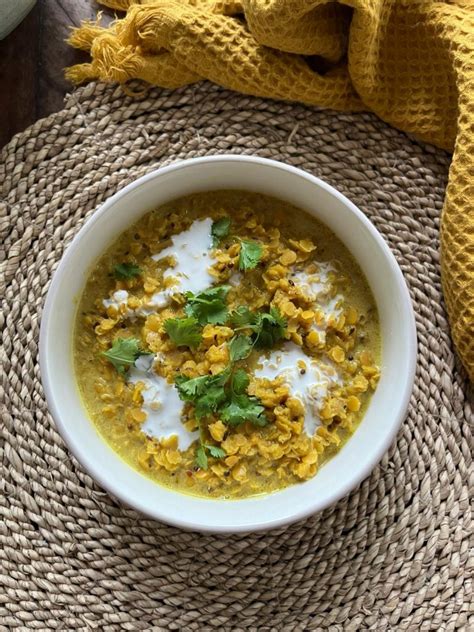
(409, 61)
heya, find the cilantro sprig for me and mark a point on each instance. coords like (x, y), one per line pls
(207, 392)
(208, 306)
(267, 328)
(240, 347)
(204, 307)
(220, 229)
(123, 353)
(203, 450)
(126, 271)
(184, 332)
(241, 317)
(241, 407)
(215, 393)
(250, 254)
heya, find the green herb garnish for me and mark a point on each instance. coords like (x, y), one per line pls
(219, 230)
(240, 381)
(215, 451)
(201, 457)
(207, 392)
(243, 408)
(127, 271)
(223, 394)
(203, 450)
(184, 332)
(123, 353)
(267, 329)
(240, 347)
(241, 317)
(240, 407)
(250, 254)
(208, 306)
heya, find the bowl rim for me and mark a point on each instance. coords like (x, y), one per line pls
(97, 472)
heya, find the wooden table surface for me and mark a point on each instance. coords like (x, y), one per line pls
(32, 61)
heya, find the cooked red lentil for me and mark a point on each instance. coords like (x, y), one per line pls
(226, 345)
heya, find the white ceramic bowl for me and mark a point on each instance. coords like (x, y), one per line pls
(387, 407)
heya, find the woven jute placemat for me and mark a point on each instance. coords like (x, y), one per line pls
(393, 555)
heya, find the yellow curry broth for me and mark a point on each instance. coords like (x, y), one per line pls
(258, 460)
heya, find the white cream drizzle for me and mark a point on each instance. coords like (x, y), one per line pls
(161, 404)
(156, 301)
(309, 380)
(317, 287)
(316, 284)
(192, 256)
(118, 298)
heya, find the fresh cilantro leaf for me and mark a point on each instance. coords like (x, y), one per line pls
(215, 451)
(259, 420)
(220, 229)
(184, 332)
(208, 306)
(240, 347)
(209, 403)
(126, 270)
(243, 408)
(191, 388)
(206, 392)
(250, 254)
(201, 457)
(240, 381)
(269, 328)
(123, 353)
(242, 317)
(219, 379)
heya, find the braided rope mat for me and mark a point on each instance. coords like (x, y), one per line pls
(393, 555)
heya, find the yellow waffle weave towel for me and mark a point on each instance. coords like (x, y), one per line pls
(409, 61)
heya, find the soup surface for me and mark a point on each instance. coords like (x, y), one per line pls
(226, 345)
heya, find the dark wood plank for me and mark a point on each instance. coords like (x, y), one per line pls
(57, 17)
(18, 77)
(32, 62)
